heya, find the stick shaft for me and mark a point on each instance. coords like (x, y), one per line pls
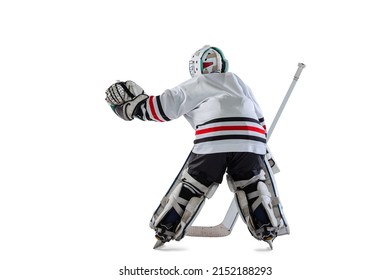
(286, 97)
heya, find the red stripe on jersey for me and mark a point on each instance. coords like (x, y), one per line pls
(152, 109)
(232, 127)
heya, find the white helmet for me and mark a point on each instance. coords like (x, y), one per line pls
(207, 60)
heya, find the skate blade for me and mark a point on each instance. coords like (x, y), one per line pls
(158, 244)
(270, 244)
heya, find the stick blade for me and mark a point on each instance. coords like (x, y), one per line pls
(213, 231)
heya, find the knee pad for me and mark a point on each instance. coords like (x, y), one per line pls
(181, 204)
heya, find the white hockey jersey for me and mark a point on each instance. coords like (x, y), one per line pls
(221, 109)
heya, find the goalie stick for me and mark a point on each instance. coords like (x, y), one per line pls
(227, 224)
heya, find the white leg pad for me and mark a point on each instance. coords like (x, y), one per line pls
(191, 207)
(262, 196)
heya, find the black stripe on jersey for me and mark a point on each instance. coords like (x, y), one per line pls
(230, 137)
(161, 109)
(261, 120)
(232, 119)
(147, 115)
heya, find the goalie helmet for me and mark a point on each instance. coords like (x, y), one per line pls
(208, 60)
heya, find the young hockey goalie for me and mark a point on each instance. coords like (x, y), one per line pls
(230, 137)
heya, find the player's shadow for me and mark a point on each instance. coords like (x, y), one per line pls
(265, 249)
(171, 248)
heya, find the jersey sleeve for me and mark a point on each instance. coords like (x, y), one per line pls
(171, 104)
(152, 110)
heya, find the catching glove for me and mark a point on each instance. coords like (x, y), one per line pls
(124, 98)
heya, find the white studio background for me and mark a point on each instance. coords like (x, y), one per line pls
(79, 185)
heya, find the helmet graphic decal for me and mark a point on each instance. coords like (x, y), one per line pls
(207, 64)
